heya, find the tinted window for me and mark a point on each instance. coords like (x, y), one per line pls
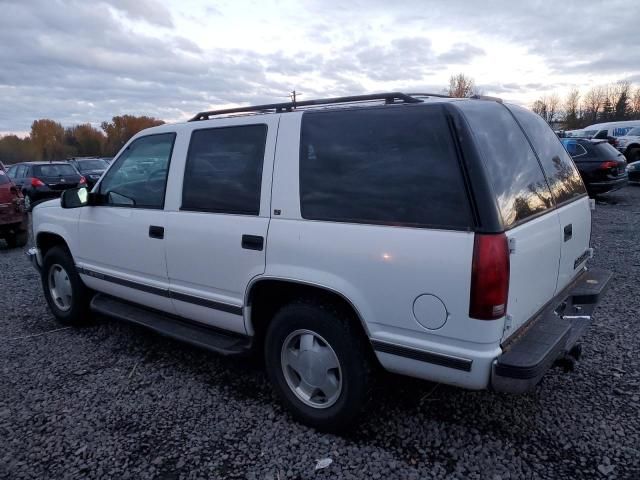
(21, 171)
(89, 165)
(574, 148)
(54, 170)
(562, 175)
(608, 151)
(601, 135)
(634, 132)
(224, 170)
(139, 176)
(391, 166)
(11, 171)
(514, 172)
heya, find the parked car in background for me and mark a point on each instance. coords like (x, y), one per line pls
(629, 144)
(44, 180)
(91, 168)
(580, 133)
(633, 170)
(612, 131)
(13, 218)
(601, 166)
(445, 239)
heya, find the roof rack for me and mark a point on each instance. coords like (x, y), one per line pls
(438, 95)
(388, 98)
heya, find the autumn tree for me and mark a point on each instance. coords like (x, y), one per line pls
(635, 103)
(14, 149)
(572, 109)
(122, 128)
(85, 140)
(593, 101)
(461, 86)
(47, 137)
(547, 107)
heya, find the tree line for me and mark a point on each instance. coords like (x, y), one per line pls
(603, 103)
(49, 140)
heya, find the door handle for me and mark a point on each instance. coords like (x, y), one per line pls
(568, 232)
(156, 232)
(252, 242)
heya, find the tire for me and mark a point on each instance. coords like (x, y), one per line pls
(67, 296)
(634, 155)
(19, 239)
(332, 332)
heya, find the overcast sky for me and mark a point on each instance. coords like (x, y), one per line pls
(81, 61)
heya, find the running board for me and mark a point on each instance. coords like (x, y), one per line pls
(198, 334)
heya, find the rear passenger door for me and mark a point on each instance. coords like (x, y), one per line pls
(217, 231)
(569, 193)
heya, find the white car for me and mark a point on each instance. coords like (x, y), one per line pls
(629, 144)
(444, 239)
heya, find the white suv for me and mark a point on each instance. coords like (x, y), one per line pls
(445, 239)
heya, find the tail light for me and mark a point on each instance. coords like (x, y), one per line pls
(608, 164)
(83, 181)
(489, 277)
(36, 182)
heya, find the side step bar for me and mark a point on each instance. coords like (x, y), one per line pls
(550, 336)
(195, 333)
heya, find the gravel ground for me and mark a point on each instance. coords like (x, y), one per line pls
(115, 401)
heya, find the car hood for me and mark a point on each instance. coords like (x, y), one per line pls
(48, 204)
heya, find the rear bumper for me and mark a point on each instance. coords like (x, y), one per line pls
(607, 186)
(529, 353)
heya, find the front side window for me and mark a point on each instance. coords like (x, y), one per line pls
(385, 166)
(563, 177)
(139, 176)
(223, 173)
(514, 172)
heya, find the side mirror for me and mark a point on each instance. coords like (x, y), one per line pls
(75, 197)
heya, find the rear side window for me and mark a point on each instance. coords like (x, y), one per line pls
(562, 175)
(607, 151)
(386, 166)
(574, 148)
(54, 170)
(514, 172)
(224, 170)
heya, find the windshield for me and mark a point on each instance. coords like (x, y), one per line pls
(94, 164)
(634, 132)
(59, 170)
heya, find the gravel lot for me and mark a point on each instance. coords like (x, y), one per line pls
(115, 401)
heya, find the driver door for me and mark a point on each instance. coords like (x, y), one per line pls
(121, 241)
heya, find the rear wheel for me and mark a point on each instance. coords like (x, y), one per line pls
(18, 239)
(318, 364)
(66, 295)
(634, 155)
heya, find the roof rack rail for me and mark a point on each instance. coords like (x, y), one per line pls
(438, 95)
(390, 97)
(486, 97)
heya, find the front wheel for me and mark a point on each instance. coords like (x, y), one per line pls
(634, 155)
(66, 295)
(319, 364)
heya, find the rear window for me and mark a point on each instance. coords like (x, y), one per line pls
(607, 150)
(4, 178)
(386, 166)
(563, 177)
(54, 171)
(89, 165)
(514, 172)
(574, 148)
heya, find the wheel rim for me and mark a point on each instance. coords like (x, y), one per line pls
(311, 369)
(60, 287)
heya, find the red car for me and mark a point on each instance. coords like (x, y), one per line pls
(13, 217)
